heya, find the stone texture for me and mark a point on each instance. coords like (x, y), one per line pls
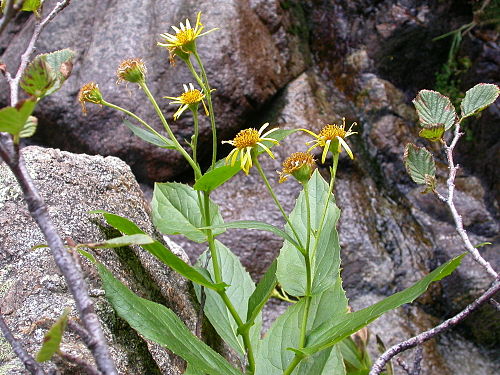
(33, 292)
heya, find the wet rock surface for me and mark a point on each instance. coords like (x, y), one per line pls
(32, 291)
(303, 64)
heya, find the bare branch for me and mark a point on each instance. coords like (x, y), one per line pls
(84, 365)
(25, 57)
(81, 332)
(427, 335)
(29, 362)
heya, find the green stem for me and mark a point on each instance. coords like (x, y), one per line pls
(134, 116)
(245, 333)
(278, 204)
(296, 360)
(194, 142)
(179, 148)
(305, 316)
(208, 94)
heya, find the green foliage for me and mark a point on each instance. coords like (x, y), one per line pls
(52, 339)
(216, 177)
(176, 210)
(434, 108)
(239, 291)
(478, 98)
(149, 136)
(16, 120)
(433, 132)
(127, 240)
(261, 294)
(420, 165)
(159, 324)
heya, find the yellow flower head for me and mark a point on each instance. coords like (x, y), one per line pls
(190, 98)
(245, 141)
(300, 165)
(131, 70)
(89, 93)
(184, 41)
(332, 135)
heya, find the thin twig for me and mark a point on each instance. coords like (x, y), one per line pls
(427, 335)
(495, 304)
(29, 362)
(84, 365)
(81, 332)
(403, 365)
(417, 365)
(11, 8)
(25, 57)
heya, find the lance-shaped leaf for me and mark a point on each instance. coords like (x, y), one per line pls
(478, 98)
(159, 324)
(239, 291)
(419, 164)
(324, 248)
(176, 210)
(434, 108)
(216, 177)
(52, 339)
(333, 330)
(13, 119)
(157, 249)
(432, 132)
(127, 240)
(150, 137)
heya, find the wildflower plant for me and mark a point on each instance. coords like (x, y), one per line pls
(314, 332)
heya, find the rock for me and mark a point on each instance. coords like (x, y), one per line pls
(33, 292)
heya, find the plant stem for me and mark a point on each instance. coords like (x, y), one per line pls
(307, 297)
(278, 204)
(245, 333)
(296, 360)
(194, 142)
(151, 98)
(208, 95)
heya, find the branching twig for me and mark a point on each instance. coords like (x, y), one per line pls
(81, 332)
(84, 365)
(427, 335)
(29, 362)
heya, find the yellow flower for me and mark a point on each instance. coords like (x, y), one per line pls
(89, 93)
(131, 70)
(190, 98)
(300, 165)
(183, 42)
(245, 141)
(332, 135)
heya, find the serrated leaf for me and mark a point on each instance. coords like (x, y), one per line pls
(29, 127)
(325, 250)
(60, 62)
(216, 177)
(419, 163)
(333, 330)
(434, 108)
(159, 324)
(478, 98)
(432, 132)
(13, 119)
(38, 78)
(157, 249)
(52, 339)
(176, 210)
(150, 137)
(274, 355)
(239, 291)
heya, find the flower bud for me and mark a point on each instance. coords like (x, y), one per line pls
(132, 70)
(300, 165)
(89, 93)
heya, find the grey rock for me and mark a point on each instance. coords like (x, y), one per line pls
(33, 292)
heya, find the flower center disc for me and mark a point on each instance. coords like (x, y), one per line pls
(330, 132)
(191, 97)
(246, 138)
(185, 36)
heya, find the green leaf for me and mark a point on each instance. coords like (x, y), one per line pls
(216, 177)
(60, 64)
(324, 250)
(419, 163)
(159, 324)
(279, 135)
(161, 252)
(29, 127)
(192, 370)
(332, 331)
(31, 5)
(434, 108)
(53, 338)
(478, 98)
(149, 137)
(13, 119)
(481, 244)
(127, 240)
(254, 224)
(239, 291)
(433, 132)
(261, 294)
(38, 78)
(176, 210)
(273, 354)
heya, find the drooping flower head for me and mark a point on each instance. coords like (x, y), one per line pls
(244, 143)
(299, 165)
(332, 138)
(190, 98)
(89, 93)
(131, 70)
(183, 42)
